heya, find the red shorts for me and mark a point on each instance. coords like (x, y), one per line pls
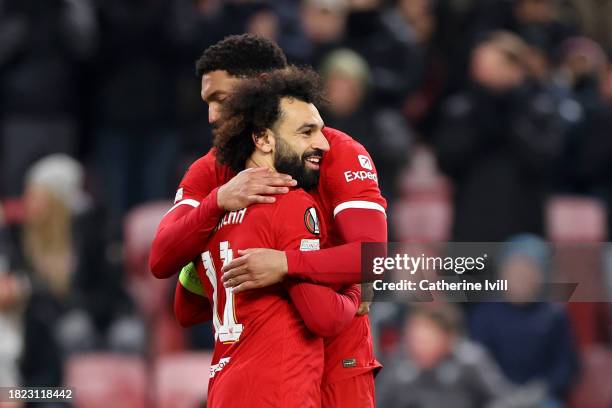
(354, 392)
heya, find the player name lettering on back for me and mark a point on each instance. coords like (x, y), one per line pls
(360, 175)
(232, 217)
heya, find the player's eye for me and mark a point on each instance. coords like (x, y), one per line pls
(217, 98)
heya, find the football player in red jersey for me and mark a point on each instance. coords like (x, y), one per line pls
(347, 193)
(264, 355)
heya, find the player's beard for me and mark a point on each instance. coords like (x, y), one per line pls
(287, 161)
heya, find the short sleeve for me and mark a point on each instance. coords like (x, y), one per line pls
(350, 179)
(297, 223)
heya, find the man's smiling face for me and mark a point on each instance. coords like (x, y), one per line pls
(299, 142)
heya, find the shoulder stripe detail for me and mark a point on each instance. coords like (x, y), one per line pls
(187, 201)
(368, 205)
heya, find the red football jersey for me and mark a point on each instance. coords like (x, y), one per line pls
(348, 180)
(264, 354)
(203, 176)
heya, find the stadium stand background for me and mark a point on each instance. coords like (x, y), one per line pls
(486, 119)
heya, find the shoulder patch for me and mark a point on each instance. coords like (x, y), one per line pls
(365, 162)
(309, 245)
(312, 221)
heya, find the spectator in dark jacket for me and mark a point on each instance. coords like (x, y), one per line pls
(383, 38)
(43, 45)
(586, 167)
(530, 340)
(134, 110)
(499, 141)
(435, 367)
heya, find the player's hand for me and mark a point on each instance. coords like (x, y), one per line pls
(364, 308)
(255, 268)
(367, 294)
(251, 186)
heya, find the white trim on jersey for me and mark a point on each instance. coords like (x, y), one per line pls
(187, 201)
(367, 205)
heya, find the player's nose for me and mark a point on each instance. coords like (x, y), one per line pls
(320, 142)
(213, 113)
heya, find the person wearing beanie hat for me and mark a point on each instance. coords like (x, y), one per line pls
(61, 175)
(77, 300)
(524, 262)
(383, 131)
(531, 340)
(346, 62)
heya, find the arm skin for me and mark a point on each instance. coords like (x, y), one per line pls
(324, 311)
(193, 226)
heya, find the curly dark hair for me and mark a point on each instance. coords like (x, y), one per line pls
(242, 55)
(255, 106)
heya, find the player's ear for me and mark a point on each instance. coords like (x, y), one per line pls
(264, 141)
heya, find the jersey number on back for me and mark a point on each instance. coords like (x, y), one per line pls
(227, 330)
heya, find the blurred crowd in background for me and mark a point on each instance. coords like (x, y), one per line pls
(488, 120)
